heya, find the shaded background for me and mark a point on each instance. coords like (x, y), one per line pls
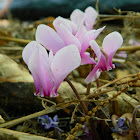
(36, 9)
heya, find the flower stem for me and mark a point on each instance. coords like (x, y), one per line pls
(98, 83)
(88, 88)
(77, 95)
(92, 66)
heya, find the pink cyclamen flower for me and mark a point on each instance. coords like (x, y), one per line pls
(70, 32)
(79, 31)
(87, 18)
(49, 70)
(54, 41)
(111, 43)
(78, 18)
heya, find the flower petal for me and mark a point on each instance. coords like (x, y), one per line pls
(121, 122)
(90, 17)
(77, 16)
(90, 35)
(69, 25)
(28, 50)
(68, 37)
(96, 49)
(47, 126)
(55, 118)
(112, 42)
(102, 63)
(51, 56)
(49, 38)
(65, 61)
(81, 33)
(94, 74)
(37, 84)
(86, 59)
(40, 68)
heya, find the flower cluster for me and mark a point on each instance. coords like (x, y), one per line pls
(67, 46)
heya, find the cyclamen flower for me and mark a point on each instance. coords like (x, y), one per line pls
(50, 70)
(111, 43)
(55, 41)
(79, 31)
(87, 18)
(70, 32)
(78, 18)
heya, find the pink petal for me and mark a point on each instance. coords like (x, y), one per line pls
(28, 50)
(51, 56)
(90, 35)
(49, 38)
(37, 85)
(90, 17)
(112, 42)
(69, 25)
(65, 61)
(81, 33)
(40, 69)
(86, 59)
(102, 62)
(68, 37)
(77, 16)
(94, 74)
(96, 49)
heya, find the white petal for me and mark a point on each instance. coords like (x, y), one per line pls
(90, 35)
(40, 68)
(69, 25)
(28, 50)
(77, 16)
(112, 42)
(65, 61)
(90, 17)
(94, 75)
(68, 37)
(95, 48)
(49, 38)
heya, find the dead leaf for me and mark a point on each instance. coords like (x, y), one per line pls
(12, 71)
(121, 73)
(126, 104)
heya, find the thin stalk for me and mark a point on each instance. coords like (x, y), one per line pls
(89, 85)
(118, 16)
(98, 83)
(22, 41)
(77, 95)
(88, 88)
